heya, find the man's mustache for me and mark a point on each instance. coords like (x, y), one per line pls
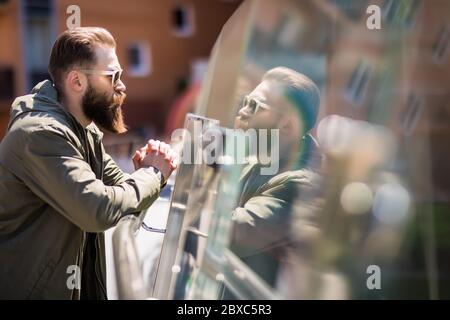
(118, 98)
(240, 124)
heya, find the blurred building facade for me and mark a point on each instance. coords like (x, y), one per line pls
(160, 45)
(411, 98)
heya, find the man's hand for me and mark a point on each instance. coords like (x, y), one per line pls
(156, 154)
(138, 156)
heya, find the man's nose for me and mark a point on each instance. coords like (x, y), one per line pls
(120, 86)
(244, 112)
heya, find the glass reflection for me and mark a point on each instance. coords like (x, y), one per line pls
(354, 203)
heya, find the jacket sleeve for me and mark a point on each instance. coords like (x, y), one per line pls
(112, 174)
(263, 221)
(260, 224)
(55, 170)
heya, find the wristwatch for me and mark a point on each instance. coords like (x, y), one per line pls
(160, 176)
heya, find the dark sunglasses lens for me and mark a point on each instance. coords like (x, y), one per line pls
(116, 77)
(245, 102)
(252, 105)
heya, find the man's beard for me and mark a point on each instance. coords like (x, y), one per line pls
(105, 111)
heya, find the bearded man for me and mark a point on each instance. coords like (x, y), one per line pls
(287, 101)
(59, 189)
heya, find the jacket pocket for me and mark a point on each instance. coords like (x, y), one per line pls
(42, 281)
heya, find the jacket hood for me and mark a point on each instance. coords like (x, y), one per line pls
(44, 98)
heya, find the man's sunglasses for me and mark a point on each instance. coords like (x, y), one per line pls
(254, 104)
(114, 74)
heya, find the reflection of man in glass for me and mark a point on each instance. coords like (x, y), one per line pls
(288, 101)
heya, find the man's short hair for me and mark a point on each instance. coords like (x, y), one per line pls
(300, 91)
(75, 47)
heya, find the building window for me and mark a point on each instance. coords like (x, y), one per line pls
(290, 30)
(7, 81)
(357, 86)
(440, 47)
(39, 34)
(183, 24)
(412, 114)
(139, 59)
(351, 8)
(3, 3)
(400, 12)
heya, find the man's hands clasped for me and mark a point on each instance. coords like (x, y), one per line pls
(158, 155)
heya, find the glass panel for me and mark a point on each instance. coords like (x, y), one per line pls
(314, 198)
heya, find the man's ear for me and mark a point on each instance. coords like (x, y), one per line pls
(75, 81)
(291, 125)
(286, 126)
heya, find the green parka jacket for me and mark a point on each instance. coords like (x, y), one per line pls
(59, 191)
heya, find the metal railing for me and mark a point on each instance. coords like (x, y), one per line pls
(131, 284)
